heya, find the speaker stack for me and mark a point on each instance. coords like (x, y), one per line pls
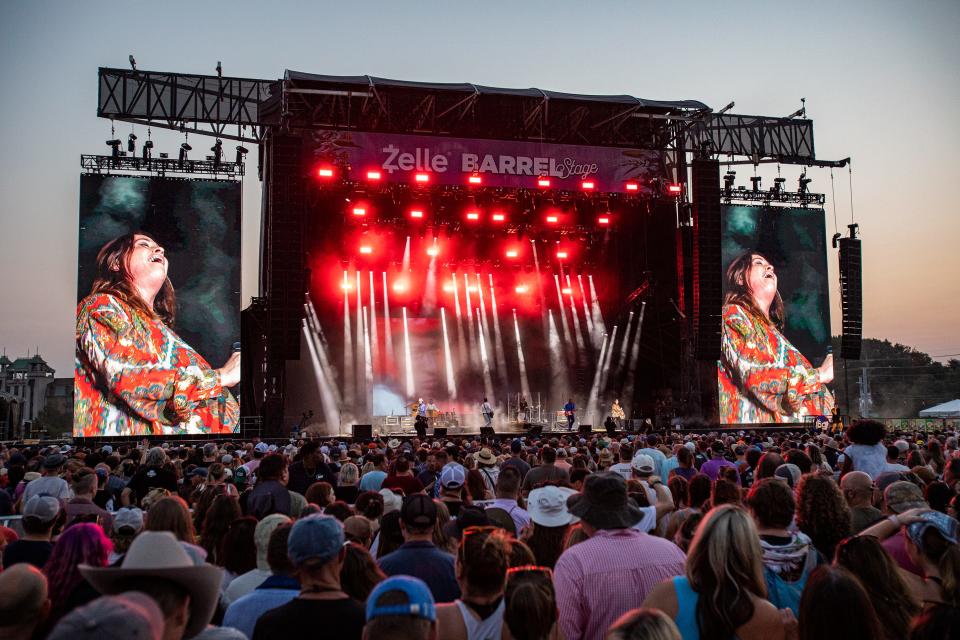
(851, 298)
(707, 267)
(362, 431)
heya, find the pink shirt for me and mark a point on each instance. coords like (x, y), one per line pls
(602, 578)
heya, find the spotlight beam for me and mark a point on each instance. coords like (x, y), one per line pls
(349, 380)
(408, 358)
(593, 400)
(447, 357)
(524, 382)
(632, 367)
(374, 337)
(387, 330)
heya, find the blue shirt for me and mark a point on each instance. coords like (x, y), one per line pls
(422, 559)
(372, 480)
(275, 591)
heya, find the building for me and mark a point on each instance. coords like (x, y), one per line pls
(23, 381)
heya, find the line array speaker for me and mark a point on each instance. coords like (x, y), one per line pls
(362, 431)
(851, 298)
(707, 267)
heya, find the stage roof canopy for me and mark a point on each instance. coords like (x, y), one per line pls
(946, 410)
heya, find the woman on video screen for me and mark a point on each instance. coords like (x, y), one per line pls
(134, 375)
(763, 378)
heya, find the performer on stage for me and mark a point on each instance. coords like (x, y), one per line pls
(522, 410)
(134, 375)
(420, 426)
(432, 409)
(616, 412)
(570, 410)
(487, 412)
(421, 407)
(762, 377)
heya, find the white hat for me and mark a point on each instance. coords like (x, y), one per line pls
(391, 501)
(642, 463)
(548, 506)
(261, 447)
(393, 443)
(690, 445)
(453, 476)
(157, 554)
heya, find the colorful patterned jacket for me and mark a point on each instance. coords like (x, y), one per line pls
(135, 376)
(763, 378)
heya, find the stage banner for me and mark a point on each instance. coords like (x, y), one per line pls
(768, 370)
(498, 163)
(139, 373)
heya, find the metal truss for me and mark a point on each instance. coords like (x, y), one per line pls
(204, 105)
(770, 197)
(784, 140)
(160, 166)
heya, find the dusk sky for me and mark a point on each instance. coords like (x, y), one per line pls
(881, 79)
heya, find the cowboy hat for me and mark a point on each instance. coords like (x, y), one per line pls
(486, 457)
(157, 554)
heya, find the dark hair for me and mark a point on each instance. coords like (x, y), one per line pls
(937, 622)
(767, 465)
(753, 457)
(772, 503)
(700, 488)
(340, 510)
(938, 495)
(866, 558)
(546, 544)
(868, 432)
(822, 513)
(946, 556)
(576, 475)
(222, 512)
(680, 490)
(239, 548)
(369, 504)
(724, 492)
(799, 458)
(893, 451)
(277, 557)
(309, 447)
(319, 493)
(482, 558)
(738, 290)
(828, 600)
(359, 573)
(530, 603)
(170, 513)
(684, 456)
(391, 536)
(402, 465)
(548, 455)
(271, 467)
(119, 282)
(508, 482)
(684, 535)
(475, 485)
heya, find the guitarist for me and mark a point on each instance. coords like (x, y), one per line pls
(570, 410)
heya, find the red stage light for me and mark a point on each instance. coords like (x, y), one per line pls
(471, 289)
(399, 286)
(373, 175)
(553, 219)
(346, 286)
(422, 178)
(325, 172)
(473, 215)
(512, 253)
(359, 211)
(566, 291)
(632, 186)
(433, 252)
(416, 213)
(475, 179)
(603, 220)
(675, 189)
(522, 289)
(562, 255)
(449, 287)
(588, 185)
(543, 182)
(366, 249)
(498, 217)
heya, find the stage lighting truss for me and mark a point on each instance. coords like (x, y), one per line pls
(159, 166)
(774, 195)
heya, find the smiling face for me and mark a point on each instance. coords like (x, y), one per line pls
(146, 263)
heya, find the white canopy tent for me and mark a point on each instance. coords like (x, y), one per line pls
(946, 410)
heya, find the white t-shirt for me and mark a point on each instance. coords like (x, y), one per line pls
(649, 520)
(623, 468)
(871, 459)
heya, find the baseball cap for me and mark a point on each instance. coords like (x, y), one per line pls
(317, 537)
(453, 476)
(129, 518)
(107, 449)
(789, 472)
(53, 461)
(45, 508)
(903, 495)
(199, 471)
(226, 458)
(418, 511)
(261, 447)
(419, 602)
(642, 463)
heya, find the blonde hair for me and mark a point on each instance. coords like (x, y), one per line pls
(725, 567)
(349, 474)
(644, 624)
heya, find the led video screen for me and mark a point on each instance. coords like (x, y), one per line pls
(158, 315)
(775, 348)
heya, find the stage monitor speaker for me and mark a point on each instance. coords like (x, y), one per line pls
(439, 432)
(533, 429)
(487, 431)
(707, 258)
(362, 431)
(585, 429)
(851, 298)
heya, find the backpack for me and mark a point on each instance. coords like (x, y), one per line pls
(783, 594)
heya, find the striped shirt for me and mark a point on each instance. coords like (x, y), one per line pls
(602, 578)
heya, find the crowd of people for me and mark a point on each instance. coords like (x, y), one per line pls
(742, 535)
